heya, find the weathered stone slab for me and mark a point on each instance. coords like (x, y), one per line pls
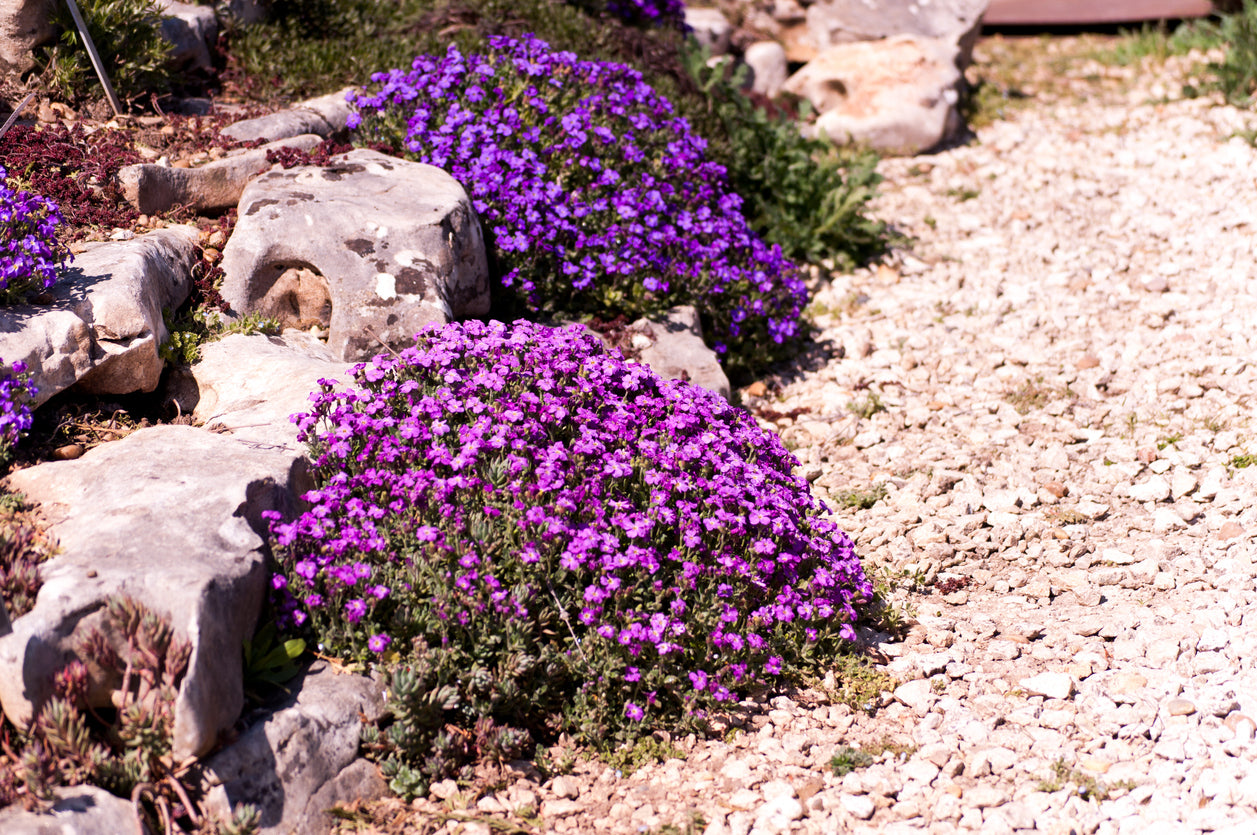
(898, 95)
(153, 189)
(171, 516)
(303, 758)
(78, 810)
(252, 385)
(397, 243)
(325, 116)
(104, 324)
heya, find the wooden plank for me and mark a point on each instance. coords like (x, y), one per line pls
(1045, 12)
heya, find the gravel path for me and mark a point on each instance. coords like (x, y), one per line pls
(1065, 360)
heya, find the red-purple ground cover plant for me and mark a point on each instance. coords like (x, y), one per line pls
(533, 535)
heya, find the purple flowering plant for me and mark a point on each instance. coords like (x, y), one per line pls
(17, 392)
(29, 250)
(598, 198)
(556, 539)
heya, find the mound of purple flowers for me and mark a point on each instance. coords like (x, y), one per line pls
(16, 393)
(599, 199)
(498, 477)
(29, 250)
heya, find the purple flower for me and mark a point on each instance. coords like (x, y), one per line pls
(633, 712)
(537, 535)
(30, 253)
(637, 213)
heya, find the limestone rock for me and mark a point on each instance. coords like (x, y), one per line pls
(190, 30)
(251, 385)
(898, 95)
(673, 347)
(710, 28)
(325, 116)
(24, 25)
(104, 324)
(77, 810)
(767, 60)
(169, 515)
(152, 189)
(397, 242)
(957, 22)
(302, 759)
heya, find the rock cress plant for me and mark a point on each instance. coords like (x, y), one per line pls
(599, 199)
(29, 250)
(598, 542)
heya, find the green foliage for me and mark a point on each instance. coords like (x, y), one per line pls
(128, 37)
(189, 329)
(648, 749)
(867, 406)
(1157, 42)
(1243, 460)
(847, 759)
(803, 194)
(857, 499)
(419, 746)
(1236, 74)
(1087, 786)
(270, 661)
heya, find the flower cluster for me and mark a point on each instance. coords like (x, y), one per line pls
(29, 250)
(500, 487)
(648, 11)
(16, 393)
(598, 197)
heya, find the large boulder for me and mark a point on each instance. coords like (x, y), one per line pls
(170, 516)
(249, 386)
(24, 25)
(153, 189)
(370, 247)
(301, 759)
(899, 95)
(325, 116)
(103, 326)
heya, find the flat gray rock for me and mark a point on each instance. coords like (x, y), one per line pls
(673, 347)
(388, 245)
(77, 810)
(171, 516)
(251, 385)
(153, 189)
(303, 758)
(325, 116)
(104, 324)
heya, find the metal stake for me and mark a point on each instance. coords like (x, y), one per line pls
(95, 56)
